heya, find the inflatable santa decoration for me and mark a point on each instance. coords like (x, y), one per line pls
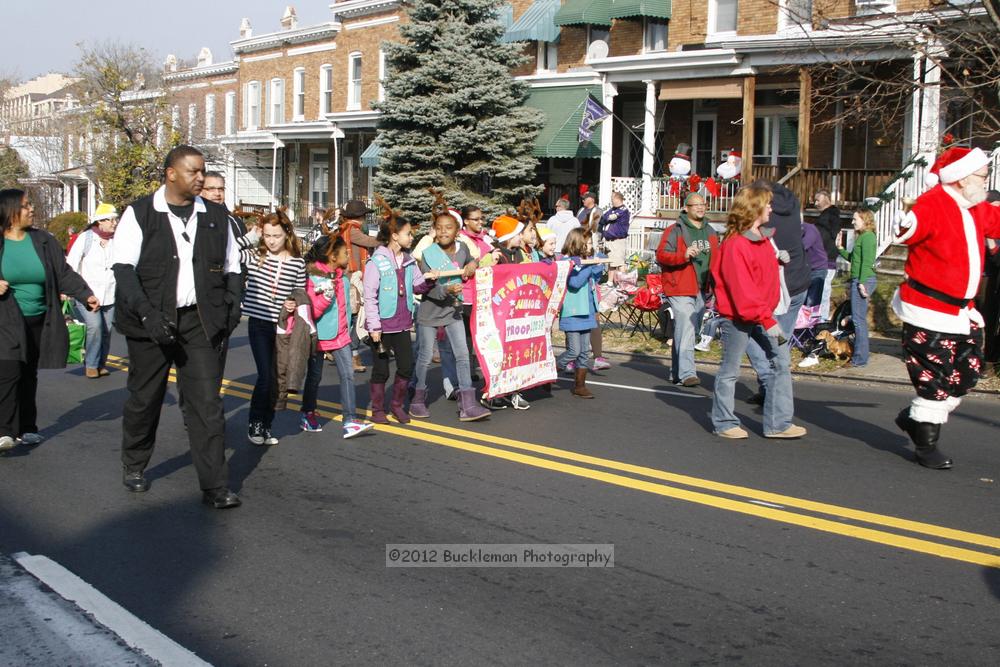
(945, 235)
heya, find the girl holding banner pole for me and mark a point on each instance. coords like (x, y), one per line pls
(579, 311)
(391, 281)
(441, 307)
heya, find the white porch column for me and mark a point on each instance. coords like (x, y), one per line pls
(926, 106)
(76, 196)
(91, 195)
(67, 198)
(607, 128)
(274, 173)
(648, 149)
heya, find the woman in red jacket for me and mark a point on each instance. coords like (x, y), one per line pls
(747, 291)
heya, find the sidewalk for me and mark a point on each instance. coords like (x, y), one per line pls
(41, 628)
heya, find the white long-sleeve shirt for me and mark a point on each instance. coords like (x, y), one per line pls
(92, 259)
(128, 244)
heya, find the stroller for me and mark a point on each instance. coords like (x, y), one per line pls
(841, 325)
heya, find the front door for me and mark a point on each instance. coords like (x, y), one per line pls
(703, 145)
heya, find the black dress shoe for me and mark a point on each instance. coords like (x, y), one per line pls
(134, 481)
(221, 498)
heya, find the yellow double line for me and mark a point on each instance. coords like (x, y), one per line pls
(730, 497)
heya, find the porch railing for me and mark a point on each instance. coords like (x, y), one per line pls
(848, 187)
(896, 197)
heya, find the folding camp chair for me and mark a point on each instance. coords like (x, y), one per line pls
(805, 329)
(640, 314)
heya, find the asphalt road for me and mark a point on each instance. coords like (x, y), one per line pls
(836, 549)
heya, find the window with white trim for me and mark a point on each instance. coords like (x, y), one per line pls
(251, 106)
(209, 116)
(277, 98)
(299, 94)
(597, 32)
(230, 113)
(722, 16)
(325, 90)
(354, 81)
(548, 56)
(794, 14)
(192, 120)
(654, 35)
(381, 75)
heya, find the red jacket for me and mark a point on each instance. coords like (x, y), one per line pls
(678, 273)
(747, 286)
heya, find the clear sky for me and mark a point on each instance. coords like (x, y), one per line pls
(42, 35)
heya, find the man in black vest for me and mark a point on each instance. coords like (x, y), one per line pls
(178, 291)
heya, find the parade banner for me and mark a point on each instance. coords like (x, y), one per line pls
(515, 307)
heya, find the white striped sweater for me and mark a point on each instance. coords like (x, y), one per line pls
(269, 283)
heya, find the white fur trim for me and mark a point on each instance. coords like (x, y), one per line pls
(931, 179)
(935, 320)
(906, 227)
(970, 163)
(507, 237)
(928, 411)
(953, 402)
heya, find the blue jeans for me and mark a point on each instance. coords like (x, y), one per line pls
(859, 314)
(688, 312)
(787, 323)
(778, 403)
(455, 333)
(577, 350)
(345, 369)
(261, 335)
(98, 341)
(814, 295)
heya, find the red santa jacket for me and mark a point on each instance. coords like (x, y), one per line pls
(946, 242)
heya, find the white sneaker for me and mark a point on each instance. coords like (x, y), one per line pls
(705, 344)
(352, 429)
(601, 364)
(31, 439)
(518, 403)
(7, 442)
(809, 361)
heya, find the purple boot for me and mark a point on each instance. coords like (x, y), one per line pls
(377, 392)
(418, 404)
(469, 409)
(399, 387)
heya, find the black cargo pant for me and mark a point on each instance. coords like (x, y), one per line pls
(199, 378)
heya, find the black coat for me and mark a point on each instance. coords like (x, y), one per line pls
(59, 279)
(828, 224)
(786, 220)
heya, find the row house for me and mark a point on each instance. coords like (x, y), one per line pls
(290, 118)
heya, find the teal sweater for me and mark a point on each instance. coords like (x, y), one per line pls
(862, 257)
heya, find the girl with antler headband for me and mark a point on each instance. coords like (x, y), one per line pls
(274, 269)
(392, 280)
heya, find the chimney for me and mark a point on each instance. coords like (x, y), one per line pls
(289, 20)
(170, 64)
(246, 31)
(204, 57)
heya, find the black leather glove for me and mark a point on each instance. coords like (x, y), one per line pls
(160, 328)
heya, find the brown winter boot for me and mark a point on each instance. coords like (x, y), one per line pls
(580, 388)
(377, 392)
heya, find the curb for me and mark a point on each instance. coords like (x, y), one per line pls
(871, 379)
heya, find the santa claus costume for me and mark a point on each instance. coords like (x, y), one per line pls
(942, 330)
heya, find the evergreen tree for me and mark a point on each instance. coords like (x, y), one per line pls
(453, 115)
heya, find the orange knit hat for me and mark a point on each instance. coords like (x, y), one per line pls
(506, 228)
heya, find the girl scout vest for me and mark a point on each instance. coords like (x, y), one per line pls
(388, 297)
(439, 260)
(577, 302)
(328, 325)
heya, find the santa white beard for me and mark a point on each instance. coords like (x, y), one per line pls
(729, 169)
(679, 167)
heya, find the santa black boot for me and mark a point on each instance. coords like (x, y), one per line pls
(925, 438)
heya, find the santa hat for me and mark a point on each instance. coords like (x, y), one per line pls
(955, 164)
(458, 217)
(505, 228)
(544, 233)
(735, 153)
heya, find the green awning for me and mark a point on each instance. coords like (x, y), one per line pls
(536, 24)
(370, 158)
(563, 109)
(505, 14)
(585, 12)
(654, 9)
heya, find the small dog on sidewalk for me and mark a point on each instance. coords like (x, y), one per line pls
(841, 349)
